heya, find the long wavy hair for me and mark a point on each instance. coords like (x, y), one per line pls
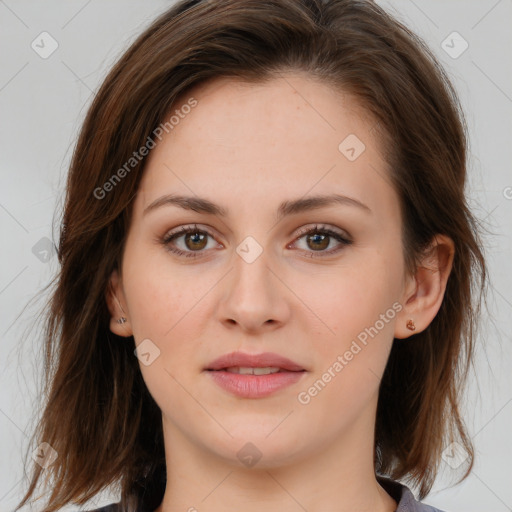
(98, 414)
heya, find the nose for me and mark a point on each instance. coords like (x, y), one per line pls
(254, 297)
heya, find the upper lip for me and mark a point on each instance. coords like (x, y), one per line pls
(263, 360)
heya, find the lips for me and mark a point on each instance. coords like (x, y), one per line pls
(254, 376)
(254, 386)
(239, 362)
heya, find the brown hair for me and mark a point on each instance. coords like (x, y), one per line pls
(99, 416)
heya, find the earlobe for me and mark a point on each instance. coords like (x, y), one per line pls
(425, 290)
(119, 319)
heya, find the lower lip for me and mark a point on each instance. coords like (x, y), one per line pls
(254, 386)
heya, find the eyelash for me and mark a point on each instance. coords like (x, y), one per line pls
(317, 229)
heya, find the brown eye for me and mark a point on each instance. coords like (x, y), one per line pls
(194, 241)
(318, 239)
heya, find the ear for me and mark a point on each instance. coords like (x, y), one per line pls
(424, 291)
(117, 307)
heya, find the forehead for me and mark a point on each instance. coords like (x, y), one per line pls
(285, 136)
(288, 96)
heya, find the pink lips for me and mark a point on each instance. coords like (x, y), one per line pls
(262, 360)
(254, 386)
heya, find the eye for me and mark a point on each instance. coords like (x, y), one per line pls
(319, 238)
(195, 240)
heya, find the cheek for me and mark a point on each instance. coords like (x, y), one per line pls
(166, 308)
(161, 296)
(349, 299)
(349, 364)
(171, 305)
(357, 306)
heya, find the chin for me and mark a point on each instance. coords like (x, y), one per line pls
(256, 449)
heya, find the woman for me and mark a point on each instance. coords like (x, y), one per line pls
(267, 290)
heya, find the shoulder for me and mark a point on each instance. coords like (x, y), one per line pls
(116, 507)
(113, 507)
(398, 491)
(404, 496)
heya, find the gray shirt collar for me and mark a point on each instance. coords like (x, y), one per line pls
(403, 496)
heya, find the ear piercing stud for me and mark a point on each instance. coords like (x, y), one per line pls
(121, 320)
(410, 325)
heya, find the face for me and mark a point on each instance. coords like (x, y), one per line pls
(320, 284)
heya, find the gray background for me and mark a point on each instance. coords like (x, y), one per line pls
(43, 102)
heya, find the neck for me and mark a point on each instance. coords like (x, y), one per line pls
(338, 477)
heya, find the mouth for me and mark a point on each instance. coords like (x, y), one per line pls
(254, 364)
(254, 376)
(256, 370)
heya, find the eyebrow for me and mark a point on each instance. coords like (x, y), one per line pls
(202, 205)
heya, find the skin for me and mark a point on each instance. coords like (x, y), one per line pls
(247, 148)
